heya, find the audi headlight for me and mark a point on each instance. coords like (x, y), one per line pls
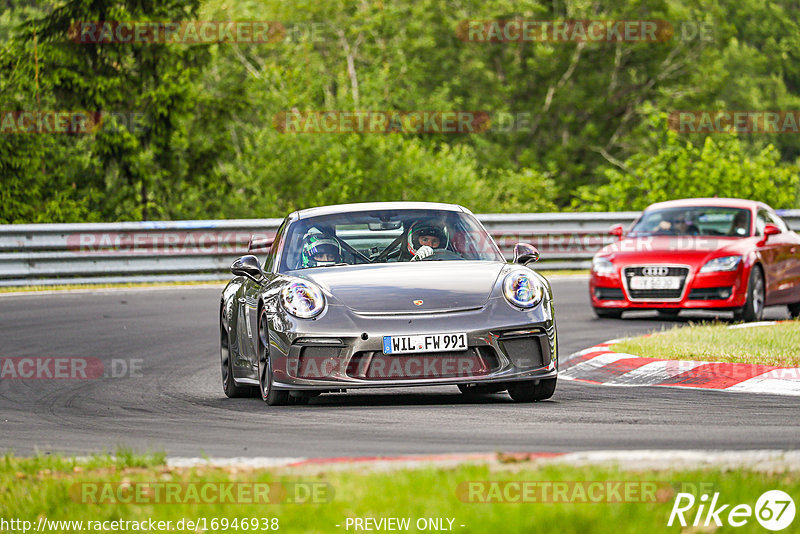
(602, 266)
(726, 263)
(303, 299)
(523, 290)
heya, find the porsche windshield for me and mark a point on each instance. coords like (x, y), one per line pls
(695, 220)
(385, 236)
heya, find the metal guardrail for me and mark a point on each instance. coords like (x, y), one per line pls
(46, 254)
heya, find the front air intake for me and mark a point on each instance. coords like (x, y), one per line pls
(525, 352)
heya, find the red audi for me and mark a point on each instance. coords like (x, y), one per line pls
(699, 254)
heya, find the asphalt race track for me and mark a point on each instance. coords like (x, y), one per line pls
(177, 405)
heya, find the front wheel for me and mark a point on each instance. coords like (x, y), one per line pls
(756, 296)
(270, 395)
(529, 390)
(226, 364)
(794, 310)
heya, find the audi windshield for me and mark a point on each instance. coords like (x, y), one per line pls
(704, 221)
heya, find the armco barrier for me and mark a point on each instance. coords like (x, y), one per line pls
(45, 254)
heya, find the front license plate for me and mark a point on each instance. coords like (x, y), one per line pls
(424, 343)
(655, 282)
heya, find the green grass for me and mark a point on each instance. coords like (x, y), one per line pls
(777, 344)
(67, 287)
(50, 487)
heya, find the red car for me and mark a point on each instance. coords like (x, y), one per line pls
(701, 253)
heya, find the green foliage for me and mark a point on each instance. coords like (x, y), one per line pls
(121, 171)
(197, 136)
(720, 166)
(285, 172)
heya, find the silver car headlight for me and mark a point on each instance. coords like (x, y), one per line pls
(303, 299)
(523, 290)
(726, 263)
(602, 266)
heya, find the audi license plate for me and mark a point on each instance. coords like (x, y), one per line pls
(424, 343)
(655, 282)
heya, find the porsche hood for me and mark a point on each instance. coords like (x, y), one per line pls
(409, 287)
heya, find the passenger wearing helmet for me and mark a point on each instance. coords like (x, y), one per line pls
(424, 237)
(320, 250)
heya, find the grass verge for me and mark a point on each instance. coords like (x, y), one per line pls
(777, 344)
(55, 489)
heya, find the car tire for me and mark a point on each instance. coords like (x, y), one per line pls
(477, 390)
(608, 313)
(756, 297)
(794, 310)
(230, 388)
(301, 400)
(530, 390)
(270, 395)
(668, 313)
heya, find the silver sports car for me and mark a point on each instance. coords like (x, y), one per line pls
(386, 295)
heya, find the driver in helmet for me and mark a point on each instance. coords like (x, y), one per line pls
(425, 237)
(320, 250)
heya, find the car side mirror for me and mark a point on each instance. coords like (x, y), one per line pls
(617, 230)
(771, 229)
(248, 266)
(525, 253)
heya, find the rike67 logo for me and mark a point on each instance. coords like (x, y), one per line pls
(774, 510)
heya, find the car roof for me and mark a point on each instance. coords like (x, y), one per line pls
(370, 206)
(711, 202)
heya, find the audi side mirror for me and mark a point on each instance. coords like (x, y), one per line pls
(771, 229)
(617, 230)
(525, 253)
(248, 266)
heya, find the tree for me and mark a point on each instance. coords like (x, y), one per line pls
(143, 91)
(720, 166)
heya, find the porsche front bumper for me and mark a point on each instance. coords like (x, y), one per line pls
(510, 345)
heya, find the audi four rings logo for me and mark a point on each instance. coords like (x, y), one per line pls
(655, 271)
